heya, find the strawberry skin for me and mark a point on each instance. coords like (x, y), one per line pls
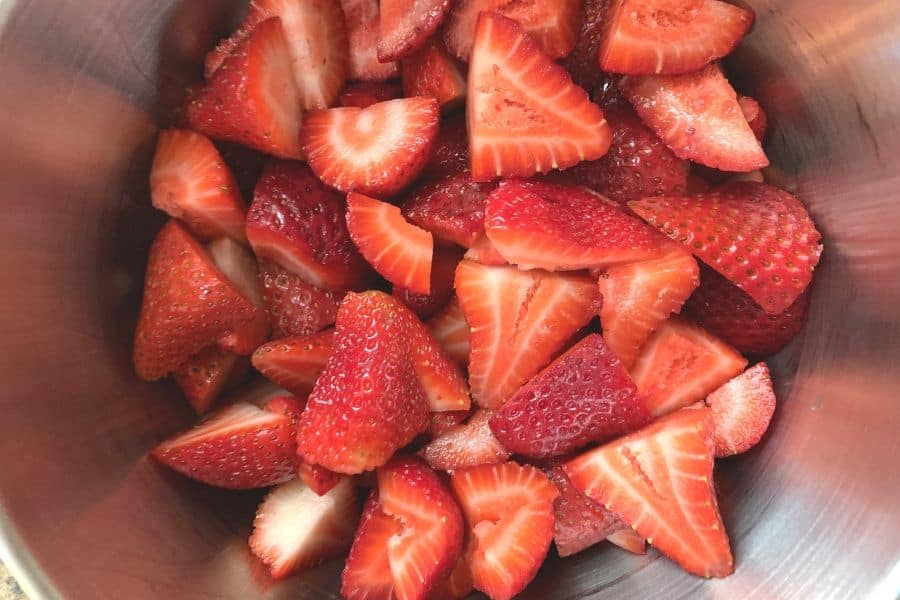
(433, 72)
(451, 150)
(450, 329)
(581, 63)
(742, 410)
(406, 25)
(443, 271)
(364, 94)
(451, 208)
(203, 377)
(441, 422)
(319, 479)
(362, 18)
(296, 307)
(580, 522)
(294, 363)
(466, 445)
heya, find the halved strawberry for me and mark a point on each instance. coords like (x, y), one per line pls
(367, 570)
(466, 445)
(580, 522)
(295, 363)
(190, 181)
(401, 252)
(659, 481)
(296, 307)
(629, 540)
(252, 98)
(755, 115)
(581, 63)
(637, 297)
(362, 27)
(742, 410)
(295, 528)
(443, 271)
(451, 149)
(681, 364)
(509, 511)
(450, 329)
(431, 71)
(698, 117)
(318, 478)
(239, 447)
(203, 377)
(759, 237)
(524, 114)
(376, 150)
(451, 208)
(584, 396)
(485, 252)
(517, 320)
(441, 422)
(670, 37)
(405, 26)
(366, 93)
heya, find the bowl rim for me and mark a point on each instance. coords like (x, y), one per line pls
(19, 561)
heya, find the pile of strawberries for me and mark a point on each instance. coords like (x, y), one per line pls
(422, 268)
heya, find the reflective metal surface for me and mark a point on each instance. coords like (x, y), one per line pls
(84, 85)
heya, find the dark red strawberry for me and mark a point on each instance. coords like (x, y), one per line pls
(405, 26)
(451, 149)
(431, 71)
(362, 27)
(466, 445)
(581, 63)
(295, 307)
(451, 331)
(318, 478)
(580, 522)
(452, 208)
(742, 410)
(364, 94)
(203, 377)
(485, 252)
(443, 271)
(755, 115)
(295, 363)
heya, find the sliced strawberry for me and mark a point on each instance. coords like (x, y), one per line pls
(554, 227)
(466, 445)
(443, 271)
(580, 522)
(296, 528)
(509, 511)
(203, 377)
(319, 479)
(670, 37)
(458, 585)
(376, 150)
(406, 25)
(698, 117)
(518, 320)
(401, 252)
(364, 94)
(759, 237)
(188, 304)
(367, 571)
(295, 363)
(252, 98)
(450, 329)
(581, 63)
(742, 410)
(441, 422)
(628, 539)
(451, 150)
(239, 447)
(226, 46)
(659, 481)
(362, 27)
(485, 252)
(525, 115)
(553, 24)
(431, 71)
(681, 364)
(292, 406)
(755, 115)
(296, 307)
(451, 208)
(637, 297)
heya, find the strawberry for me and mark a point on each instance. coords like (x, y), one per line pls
(203, 377)
(190, 181)
(443, 270)
(295, 363)
(466, 445)
(680, 364)
(239, 447)
(580, 522)
(629, 540)
(433, 72)
(291, 406)
(441, 422)
(362, 27)
(295, 307)
(295, 528)
(319, 479)
(252, 98)
(485, 252)
(552, 24)
(509, 511)
(755, 115)
(742, 410)
(659, 481)
(366, 93)
(759, 237)
(458, 584)
(246, 164)
(698, 116)
(669, 37)
(637, 297)
(188, 304)
(451, 208)
(405, 26)
(451, 150)
(376, 150)
(367, 571)
(581, 63)
(450, 329)
(525, 115)
(517, 320)
(554, 227)
(401, 252)
(298, 222)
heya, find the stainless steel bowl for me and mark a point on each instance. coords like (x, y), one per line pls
(812, 513)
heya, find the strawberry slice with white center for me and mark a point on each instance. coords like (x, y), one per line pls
(203, 377)
(742, 410)
(405, 25)
(295, 363)
(296, 307)
(485, 252)
(376, 150)
(580, 522)
(431, 71)
(362, 18)
(670, 37)
(659, 481)
(525, 115)
(466, 445)
(450, 329)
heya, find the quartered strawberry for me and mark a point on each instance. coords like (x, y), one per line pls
(318, 478)
(298, 222)
(755, 115)
(467, 445)
(742, 410)
(443, 272)
(509, 511)
(450, 329)
(364, 94)
(451, 149)
(659, 481)
(376, 150)
(431, 71)
(525, 115)
(252, 98)
(405, 26)
(580, 522)
(698, 116)
(517, 321)
(638, 296)
(239, 447)
(401, 252)
(362, 27)
(295, 363)
(759, 237)
(451, 208)
(669, 37)
(485, 252)
(190, 181)
(681, 364)
(581, 63)
(295, 307)
(629, 540)
(552, 24)
(554, 227)
(188, 304)
(367, 570)
(295, 528)
(203, 377)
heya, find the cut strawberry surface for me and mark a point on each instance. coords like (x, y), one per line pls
(367, 571)
(742, 410)
(757, 236)
(295, 363)
(431, 71)
(450, 329)
(466, 445)
(581, 63)
(451, 150)
(517, 320)
(241, 446)
(698, 116)
(458, 585)
(485, 252)
(443, 272)
(755, 115)
(376, 150)
(681, 364)
(525, 115)
(364, 94)
(252, 98)
(362, 18)
(290, 406)
(584, 396)
(319, 479)
(203, 377)
(638, 297)
(670, 37)
(629, 540)
(296, 307)
(580, 522)
(405, 26)
(451, 208)
(659, 481)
